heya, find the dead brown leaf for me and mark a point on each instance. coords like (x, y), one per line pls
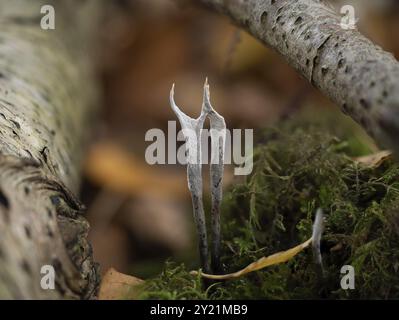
(115, 169)
(112, 167)
(116, 286)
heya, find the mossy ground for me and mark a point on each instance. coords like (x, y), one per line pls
(298, 168)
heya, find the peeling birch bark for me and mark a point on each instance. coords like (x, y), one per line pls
(47, 99)
(356, 74)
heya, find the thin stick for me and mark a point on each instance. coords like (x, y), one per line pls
(318, 227)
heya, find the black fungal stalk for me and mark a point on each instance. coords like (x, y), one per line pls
(192, 131)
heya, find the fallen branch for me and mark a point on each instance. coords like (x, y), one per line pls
(352, 71)
(46, 105)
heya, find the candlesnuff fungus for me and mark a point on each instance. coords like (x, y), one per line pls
(192, 131)
(218, 140)
(279, 257)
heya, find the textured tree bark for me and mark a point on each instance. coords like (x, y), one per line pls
(47, 99)
(353, 72)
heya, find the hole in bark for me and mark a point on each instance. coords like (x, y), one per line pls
(3, 200)
(324, 71)
(273, 1)
(56, 263)
(16, 124)
(372, 84)
(364, 104)
(44, 152)
(28, 232)
(307, 62)
(385, 94)
(28, 152)
(263, 17)
(347, 69)
(26, 190)
(55, 200)
(298, 20)
(1, 76)
(345, 108)
(25, 266)
(49, 232)
(341, 63)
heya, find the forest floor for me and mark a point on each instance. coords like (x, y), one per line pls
(299, 167)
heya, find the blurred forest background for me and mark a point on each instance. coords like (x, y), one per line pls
(140, 215)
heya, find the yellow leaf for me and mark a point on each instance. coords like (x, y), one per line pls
(263, 262)
(374, 160)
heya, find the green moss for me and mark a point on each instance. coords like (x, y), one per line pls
(298, 168)
(174, 283)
